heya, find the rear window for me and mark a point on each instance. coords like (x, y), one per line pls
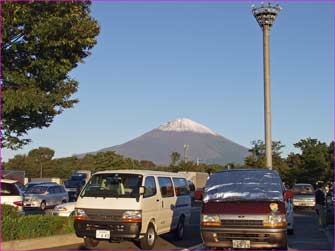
(8, 189)
(303, 189)
(181, 186)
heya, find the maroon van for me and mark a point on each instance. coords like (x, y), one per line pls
(244, 209)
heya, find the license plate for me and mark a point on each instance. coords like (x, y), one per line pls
(102, 234)
(241, 243)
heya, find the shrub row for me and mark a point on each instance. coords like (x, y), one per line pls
(16, 227)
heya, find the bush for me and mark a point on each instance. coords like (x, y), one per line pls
(16, 227)
(9, 211)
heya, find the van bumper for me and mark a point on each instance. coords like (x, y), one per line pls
(259, 237)
(118, 230)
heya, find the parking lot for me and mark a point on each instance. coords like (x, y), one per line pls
(308, 236)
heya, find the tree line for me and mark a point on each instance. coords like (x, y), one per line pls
(314, 163)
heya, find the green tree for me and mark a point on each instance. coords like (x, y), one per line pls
(315, 161)
(41, 43)
(40, 158)
(257, 158)
(175, 157)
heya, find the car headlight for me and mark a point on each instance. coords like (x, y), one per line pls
(210, 220)
(79, 214)
(61, 209)
(275, 220)
(132, 216)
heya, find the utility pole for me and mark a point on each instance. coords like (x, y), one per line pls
(185, 152)
(41, 169)
(265, 16)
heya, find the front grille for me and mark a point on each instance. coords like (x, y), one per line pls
(113, 227)
(104, 215)
(242, 223)
(241, 236)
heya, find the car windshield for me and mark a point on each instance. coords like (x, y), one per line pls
(37, 189)
(303, 190)
(239, 185)
(113, 185)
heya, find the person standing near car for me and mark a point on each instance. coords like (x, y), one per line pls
(319, 204)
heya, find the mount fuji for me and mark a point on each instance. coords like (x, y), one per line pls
(201, 143)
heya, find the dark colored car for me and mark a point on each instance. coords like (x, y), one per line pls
(244, 209)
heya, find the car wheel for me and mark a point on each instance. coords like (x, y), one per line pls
(290, 231)
(179, 232)
(149, 239)
(284, 247)
(43, 205)
(90, 243)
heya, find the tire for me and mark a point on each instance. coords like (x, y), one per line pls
(43, 206)
(179, 232)
(290, 231)
(149, 239)
(90, 243)
(284, 247)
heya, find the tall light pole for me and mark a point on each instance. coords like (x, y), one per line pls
(265, 15)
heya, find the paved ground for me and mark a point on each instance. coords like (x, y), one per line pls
(307, 236)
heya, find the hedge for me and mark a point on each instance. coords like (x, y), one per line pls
(16, 227)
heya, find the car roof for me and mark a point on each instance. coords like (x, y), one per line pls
(248, 169)
(9, 181)
(41, 182)
(142, 172)
(303, 184)
(46, 185)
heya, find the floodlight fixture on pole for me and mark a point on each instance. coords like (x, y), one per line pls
(265, 15)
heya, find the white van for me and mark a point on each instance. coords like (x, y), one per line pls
(132, 204)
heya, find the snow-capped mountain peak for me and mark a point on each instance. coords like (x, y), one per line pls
(185, 125)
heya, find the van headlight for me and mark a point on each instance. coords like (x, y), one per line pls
(79, 214)
(275, 220)
(132, 216)
(210, 220)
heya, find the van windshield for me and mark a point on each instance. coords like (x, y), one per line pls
(113, 185)
(239, 185)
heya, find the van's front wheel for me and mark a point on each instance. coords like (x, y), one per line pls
(149, 239)
(90, 243)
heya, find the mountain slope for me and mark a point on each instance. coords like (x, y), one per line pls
(204, 144)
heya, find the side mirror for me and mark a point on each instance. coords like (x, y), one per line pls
(142, 190)
(288, 195)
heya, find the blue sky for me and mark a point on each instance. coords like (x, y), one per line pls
(155, 62)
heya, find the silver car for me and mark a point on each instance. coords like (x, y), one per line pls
(303, 195)
(45, 195)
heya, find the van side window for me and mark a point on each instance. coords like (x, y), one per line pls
(150, 187)
(166, 186)
(181, 186)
